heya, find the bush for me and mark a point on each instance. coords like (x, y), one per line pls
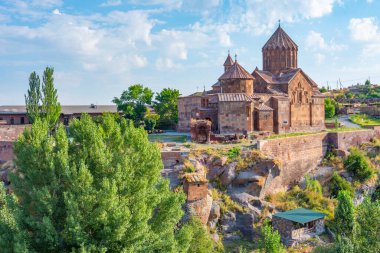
(338, 184)
(270, 241)
(313, 185)
(233, 153)
(358, 164)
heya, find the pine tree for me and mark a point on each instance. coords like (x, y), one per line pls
(33, 99)
(344, 218)
(51, 108)
(99, 192)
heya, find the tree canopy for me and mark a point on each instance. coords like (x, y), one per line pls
(329, 108)
(133, 102)
(166, 106)
(43, 104)
(100, 191)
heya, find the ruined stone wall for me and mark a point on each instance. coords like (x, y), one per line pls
(15, 119)
(298, 155)
(233, 117)
(195, 191)
(8, 134)
(185, 107)
(371, 110)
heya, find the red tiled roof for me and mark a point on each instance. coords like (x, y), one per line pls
(236, 71)
(280, 39)
(233, 97)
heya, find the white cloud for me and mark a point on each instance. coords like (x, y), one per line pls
(111, 3)
(366, 31)
(320, 58)
(56, 12)
(315, 41)
(260, 16)
(363, 29)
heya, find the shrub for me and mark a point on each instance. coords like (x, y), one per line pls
(338, 183)
(358, 164)
(270, 241)
(313, 185)
(233, 153)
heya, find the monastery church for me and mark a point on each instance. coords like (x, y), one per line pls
(280, 98)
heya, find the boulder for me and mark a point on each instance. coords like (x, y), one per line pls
(243, 198)
(227, 222)
(220, 161)
(214, 215)
(244, 223)
(341, 152)
(215, 237)
(228, 173)
(247, 177)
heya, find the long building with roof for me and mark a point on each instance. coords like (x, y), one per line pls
(280, 98)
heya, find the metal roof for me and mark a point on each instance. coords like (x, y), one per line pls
(300, 215)
(233, 97)
(263, 107)
(65, 109)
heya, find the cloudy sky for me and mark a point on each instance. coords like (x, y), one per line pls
(98, 47)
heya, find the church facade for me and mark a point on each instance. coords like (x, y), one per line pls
(280, 98)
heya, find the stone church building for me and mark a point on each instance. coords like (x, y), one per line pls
(280, 98)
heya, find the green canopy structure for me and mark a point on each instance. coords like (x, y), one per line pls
(300, 215)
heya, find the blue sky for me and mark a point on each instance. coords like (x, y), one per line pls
(100, 47)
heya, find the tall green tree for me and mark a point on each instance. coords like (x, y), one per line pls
(344, 217)
(133, 102)
(51, 108)
(13, 238)
(43, 104)
(270, 241)
(99, 192)
(166, 106)
(329, 108)
(367, 233)
(33, 98)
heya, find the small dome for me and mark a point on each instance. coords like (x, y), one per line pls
(236, 71)
(280, 39)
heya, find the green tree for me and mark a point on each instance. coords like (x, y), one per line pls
(43, 105)
(367, 232)
(33, 99)
(133, 102)
(51, 108)
(329, 108)
(12, 236)
(150, 120)
(338, 184)
(344, 245)
(99, 192)
(323, 89)
(194, 238)
(358, 164)
(313, 185)
(166, 106)
(270, 241)
(344, 217)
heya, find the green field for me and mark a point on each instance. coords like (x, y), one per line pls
(167, 138)
(365, 120)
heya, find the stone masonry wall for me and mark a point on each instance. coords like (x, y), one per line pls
(6, 150)
(299, 154)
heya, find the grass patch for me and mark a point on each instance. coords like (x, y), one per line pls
(344, 129)
(365, 120)
(276, 136)
(167, 138)
(226, 204)
(310, 199)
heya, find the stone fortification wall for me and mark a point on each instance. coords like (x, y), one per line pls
(299, 154)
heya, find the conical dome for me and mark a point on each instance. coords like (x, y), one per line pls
(280, 39)
(236, 71)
